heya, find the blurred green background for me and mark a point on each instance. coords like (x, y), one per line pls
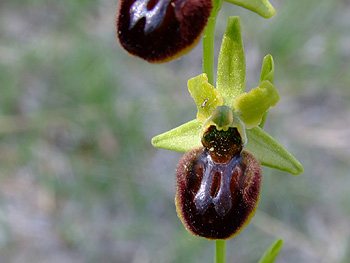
(79, 179)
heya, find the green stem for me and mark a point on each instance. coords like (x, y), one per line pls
(208, 42)
(220, 252)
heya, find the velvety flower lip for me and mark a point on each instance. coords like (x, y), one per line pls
(249, 108)
(162, 30)
(217, 200)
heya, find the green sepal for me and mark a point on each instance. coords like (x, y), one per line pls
(250, 107)
(231, 72)
(272, 252)
(206, 97)
(261, 7)
(270, 153)
(267, 69)
(180, 139)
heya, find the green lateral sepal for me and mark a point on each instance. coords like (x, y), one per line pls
(180, 139)
(270, 153)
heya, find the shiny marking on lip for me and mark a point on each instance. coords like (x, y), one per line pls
(154, 17)
(210, 217)
(222, 200)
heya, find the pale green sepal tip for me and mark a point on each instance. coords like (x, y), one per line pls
(272, 252)
(261, 7)
(267, 69)
(270, 153)
(250, 107)
(180, 139)
(230, 80)
(206, 97)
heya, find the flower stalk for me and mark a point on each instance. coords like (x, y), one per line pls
(220, 251)
(209, 42)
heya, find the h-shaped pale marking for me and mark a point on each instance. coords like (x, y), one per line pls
(154, 17)
(222, 201)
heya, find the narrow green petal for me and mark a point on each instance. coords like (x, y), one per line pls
(250, 107)
(261, 7)
(231, 64)
(270, 153)
(180, 139)
(206, 97)
(267, 69)
(272, 252)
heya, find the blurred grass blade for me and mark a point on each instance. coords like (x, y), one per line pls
(270, 153)
(272, 252)
(180, 139)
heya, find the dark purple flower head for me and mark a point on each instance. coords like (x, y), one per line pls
(161, 30)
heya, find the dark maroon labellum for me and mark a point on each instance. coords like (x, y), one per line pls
(216, 198)
(161, 30)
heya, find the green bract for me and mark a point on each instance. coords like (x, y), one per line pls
(249, 108)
